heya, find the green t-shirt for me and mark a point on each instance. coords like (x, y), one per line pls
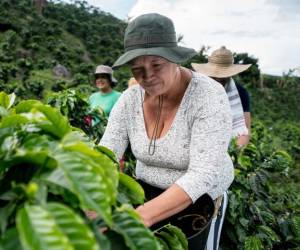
(104, 101)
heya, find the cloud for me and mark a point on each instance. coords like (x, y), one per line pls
(118, 8)
(242, 33)
(259, 27)
(290, 9)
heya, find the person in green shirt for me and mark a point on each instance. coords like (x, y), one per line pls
(106, 97)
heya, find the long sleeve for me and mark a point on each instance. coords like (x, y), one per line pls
(210, 137)
(116, 134)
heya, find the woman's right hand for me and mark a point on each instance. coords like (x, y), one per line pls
(144, 216)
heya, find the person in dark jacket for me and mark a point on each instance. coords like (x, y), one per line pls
(221, 68)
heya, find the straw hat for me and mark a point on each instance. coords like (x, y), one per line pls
(152, 35)
(220, 65)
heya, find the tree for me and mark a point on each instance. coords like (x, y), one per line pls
(201, 57)
(252, 75)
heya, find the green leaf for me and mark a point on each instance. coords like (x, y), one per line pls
(130, 189)
(255, 186)
(244, 161)
(172, 240)
(57, 176)
(241, 233)
(178, 233)
(108, 152)
(12, 98)
(244, 222)
(250, 149)
(116, 240)
(39, 231)
(58, 126)
(102, 162)
(13, 121)
(295, 225)
(269, 233)
(5, 213)
(87, 180)
(58, 185)
(163, 244)
(26, 106)
(51, 121)
(136, 235)
(10, 240)
(284, 155)
(3, 112)
(76, 136)
(102, 239)
(80, 236)
(34, 150)
(253, 243)
(4, 100)
(268, 217)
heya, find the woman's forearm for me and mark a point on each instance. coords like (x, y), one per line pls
(170, 202)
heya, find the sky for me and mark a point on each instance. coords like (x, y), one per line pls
(266, 29)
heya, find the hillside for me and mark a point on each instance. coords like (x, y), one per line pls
(76, 36)
(60, 47)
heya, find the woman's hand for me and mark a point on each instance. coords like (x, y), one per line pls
(170, 202)
(91, 214)
(144, 216)
(242, 141)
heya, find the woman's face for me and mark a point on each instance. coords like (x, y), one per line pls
(155, 74)
(102, 83)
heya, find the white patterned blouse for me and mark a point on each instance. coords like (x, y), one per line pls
(193, 154)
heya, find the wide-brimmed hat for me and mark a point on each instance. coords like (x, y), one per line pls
(104, 69)
(220, 65)
(152, 34)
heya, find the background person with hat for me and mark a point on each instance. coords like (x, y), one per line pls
(177, 121)
(221, 68)
(106, 97)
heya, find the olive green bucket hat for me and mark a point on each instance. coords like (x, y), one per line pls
(152, 35)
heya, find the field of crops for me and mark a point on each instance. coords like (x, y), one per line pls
(47, 144)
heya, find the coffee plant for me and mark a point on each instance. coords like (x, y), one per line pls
(51, 175)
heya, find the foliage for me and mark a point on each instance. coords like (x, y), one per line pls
(171, 237)
(201, 57)
(264, 202)
(76, 107)
(51, 174)
(100, 32)
(251, 75)
(261, 211)
(75, 35)
(286, 81)
(276, 104)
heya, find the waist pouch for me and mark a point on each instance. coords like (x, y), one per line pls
(194, 219)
